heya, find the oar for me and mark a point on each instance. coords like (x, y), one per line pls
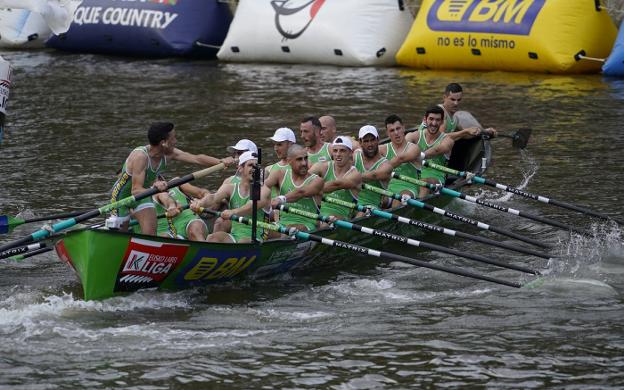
(518, 191)
(457, 217)
(519, 139)
(29, 254)
(22, 249)
(435, 228)
(366, 251)
(404, 240)
(472, 199)
(6, 220)
(43, 233)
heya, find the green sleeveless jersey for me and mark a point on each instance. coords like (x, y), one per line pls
(306, 204)
(451, 124)
(368, 197)
(346, 195)
(241, 230)
(123, 186)
(407, 169)
(441, 159)
(322, 155)
(276, 167)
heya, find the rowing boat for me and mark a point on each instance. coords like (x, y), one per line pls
(109, 262)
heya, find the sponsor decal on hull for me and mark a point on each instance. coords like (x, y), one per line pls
(209, 266)
(147, 263)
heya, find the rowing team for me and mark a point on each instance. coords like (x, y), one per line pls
(313, 178)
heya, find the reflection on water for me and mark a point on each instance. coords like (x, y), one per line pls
(74, 118)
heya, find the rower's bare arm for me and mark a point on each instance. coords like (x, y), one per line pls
(200, 159)
(413, 136)
(352, 180)
(411, 154)
(247, 208)
(467, 133)
(213, 201)
(383, 173)
(319, 169)
(274, 179)
(168, 203)
(194, 191)
(136, 167)
(444, 147)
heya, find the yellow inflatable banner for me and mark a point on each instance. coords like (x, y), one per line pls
(517, 35)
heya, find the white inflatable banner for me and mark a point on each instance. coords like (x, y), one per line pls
(341, 32)
(58, 14)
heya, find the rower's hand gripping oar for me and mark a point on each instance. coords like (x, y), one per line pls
(472, 199)
(404, 240)
(457, 217)
(435, 228)
(43, 233)
(366, 251)
(518, 191)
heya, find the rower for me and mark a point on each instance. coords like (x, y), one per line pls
(238, 196)
(140, 171)
(297, 188)
(282, 139)
(329, 130)
(342, 179)
(399, 145)
(242, 146)
(180, 223)
(367, 160)
(311, 135)
(453, 94)
(433, 145)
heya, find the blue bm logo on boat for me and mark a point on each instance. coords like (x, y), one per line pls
(213, 265)
(484, 16)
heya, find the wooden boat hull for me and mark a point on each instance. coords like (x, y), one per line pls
(108, 263)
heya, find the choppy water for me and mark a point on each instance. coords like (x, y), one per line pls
(356, 324)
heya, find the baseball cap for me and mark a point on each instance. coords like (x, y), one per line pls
(283, 134)
(243, 144)
(343, 140)
(249, 155)
(368, 129)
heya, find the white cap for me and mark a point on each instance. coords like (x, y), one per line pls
(368, 129)
(284, 134)
(242, 145)
(343, 140)
(249, 155)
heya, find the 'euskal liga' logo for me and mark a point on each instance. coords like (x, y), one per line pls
(292, 17)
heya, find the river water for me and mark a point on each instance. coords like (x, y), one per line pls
(357, 324)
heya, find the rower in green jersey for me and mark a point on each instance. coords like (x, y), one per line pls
(297, 187)
(239, 203)
(140, 171)
(453, 94)
(435, 145)
(367, 160)
(318, 151)
(282, 139)
(342, 179)
(179, 221)
(399, 145)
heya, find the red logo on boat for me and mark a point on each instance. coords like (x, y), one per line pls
(147, 263)
(61, 251)
(291, 18)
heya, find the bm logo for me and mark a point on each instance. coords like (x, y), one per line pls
(484, 16)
